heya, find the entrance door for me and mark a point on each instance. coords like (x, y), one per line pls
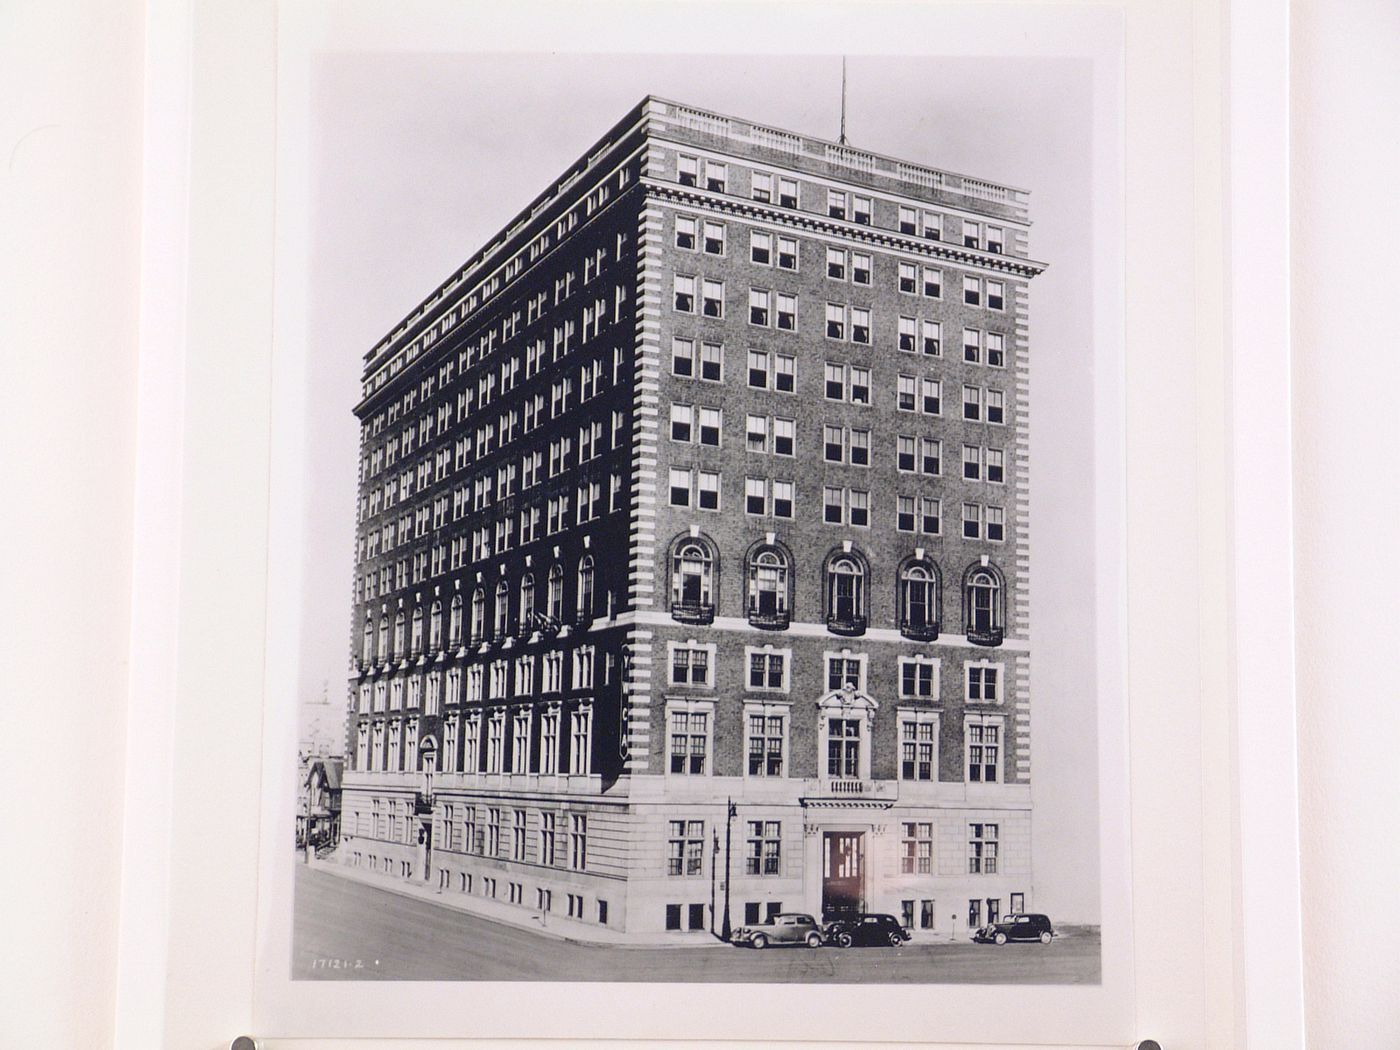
(843, 872)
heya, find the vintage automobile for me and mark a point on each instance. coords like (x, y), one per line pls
(1016, 928)
(785, 928)
(866, 929)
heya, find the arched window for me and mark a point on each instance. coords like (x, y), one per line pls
(416, 639)
(384, 637)
(846, 595)
(692, 582)
(768, 583)
(478, 615)
(454, 621)
(918, 601)
(983, 597)
(400, 621)
(527, 602)
(502, 609)
(435, 627)
(555, 597)
(367, 644)
(585, 587)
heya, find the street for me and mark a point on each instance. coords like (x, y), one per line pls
(346, 930)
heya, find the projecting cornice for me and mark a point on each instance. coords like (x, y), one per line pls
(848, 231)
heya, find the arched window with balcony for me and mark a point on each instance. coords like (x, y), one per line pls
(367, 642)
(769, 581)
(478, 615)
(416, 636)
(435, 627)
(555, 597)
(400, 626)
(847, 593)
(527, 602)
(919, 600)
(984, 601)
(502, 616)
(384, 637)
(585, 588)
(454, 621)
(693, 573)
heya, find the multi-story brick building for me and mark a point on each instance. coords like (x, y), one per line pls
(705, 480)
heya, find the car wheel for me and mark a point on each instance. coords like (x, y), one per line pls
(1045, 937)
(844, 940)
(896, 939)
(760, 941)
(814, 940)
(1000, 938)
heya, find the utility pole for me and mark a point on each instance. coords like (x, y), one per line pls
(725, 930)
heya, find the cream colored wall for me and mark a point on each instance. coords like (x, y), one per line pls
(1346, 166)
(70, 153)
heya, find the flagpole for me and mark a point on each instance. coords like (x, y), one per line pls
(842, 140)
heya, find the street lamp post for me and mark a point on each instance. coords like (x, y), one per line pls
(725, 930)
(714, 867)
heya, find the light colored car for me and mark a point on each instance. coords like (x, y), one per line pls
(785, 928)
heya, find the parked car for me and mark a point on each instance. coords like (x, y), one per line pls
(866, 929)
(785, 928)
(1017, 928)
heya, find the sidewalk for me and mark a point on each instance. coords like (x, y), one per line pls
(521, 917)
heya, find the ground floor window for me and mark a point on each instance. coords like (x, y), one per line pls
(544, 899)
(1018, 903)
(993, 909)
(926, 915)
(906, 914)
(517, 893)
(575, 906)
(602, 913)
(974, 913)
(694, 915)
(465, 883)
(765, 848)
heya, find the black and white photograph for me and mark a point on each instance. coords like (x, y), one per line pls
(707, 443)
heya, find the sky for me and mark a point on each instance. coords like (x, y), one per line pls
(418, 159)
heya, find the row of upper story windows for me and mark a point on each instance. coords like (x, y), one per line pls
(768, 577)
(842, 204)
(705, 296)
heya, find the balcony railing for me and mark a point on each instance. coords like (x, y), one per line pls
(846, 625)
(852, 789)
(693, 612)
(770, 621)
(985, 635)
(920, 632)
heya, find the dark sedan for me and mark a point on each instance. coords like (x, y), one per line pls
(866, 930)
(1017, 928)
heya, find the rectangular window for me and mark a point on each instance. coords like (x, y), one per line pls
(983, 683)
(972, 346)
(785, 437)
(765, 745)
(907, 391)
(548, 838)
(843, 672)
(755, 496)
(687, 170)
(835, 321)
(983, 752)
(680, 486)
(918, 678)
(972, 463)
(904, 513)
(711, 424)
(833, 508)
(931, 395)
(860, 325)
(996, 524)
(908, 219)
(787, 253)
(930, 511)
(861, 209)
(995, 239)
(972, 234)
(996, 466)
(690, 665)
(517, 843)
(682, 423)
(996, 295)
(930, 456)
(908, 278)
(683, 358)
(685, 294)
(995, 412)
(756, 434)
(686, 847)
(714, 238)
(860, 508)
(761, 247)
(782, 499)
(716, 176)
(758, 369)
(712, 299)
(787, 312)
(905, 457)
(707, 494)
(685, 232)
(996, 350)
(578, 841)
(972, 402)
(932, 338)
(860, 267)
(758, 307)
(787, 192)
(916, 856)
(785, 373)
(836, 203)
(764, 848)
(972, 521)
(908, 334)
(836, 263)
(972, 291)
(982, 849)
(711, 362)
(766, 669)
(689, 742)
(762, 186)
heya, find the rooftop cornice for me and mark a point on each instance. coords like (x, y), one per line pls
(873, 235)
